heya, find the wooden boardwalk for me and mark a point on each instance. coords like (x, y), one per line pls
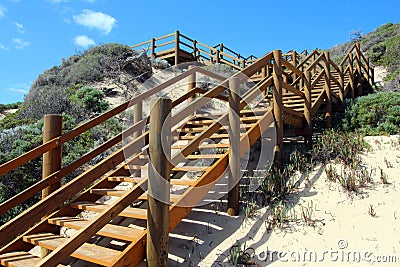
(296, 85)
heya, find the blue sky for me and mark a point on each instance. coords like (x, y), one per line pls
(36, 34)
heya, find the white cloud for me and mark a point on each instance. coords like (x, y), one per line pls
(95, 20)
(3, 10)
(20, 44)
(3, 47)
(20, 27)
(22, 88)
(84, 41)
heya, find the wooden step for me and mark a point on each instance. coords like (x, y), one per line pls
(88, 252)
(120, 193)
(19, 259)
(174, 169)
(109, 230)
(135, 213)
(192, 157)
(136, 180)
(203, 146)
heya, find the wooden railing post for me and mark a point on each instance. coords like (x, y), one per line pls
(158, 196)
(341, 87)
(153, 47)
(307, 108)
(177, 41)
(328, 105)
(278, 112)
(195, 50)
(353, 88)
(234, 147)
(217, 55)
(221, 49)
(52, 160)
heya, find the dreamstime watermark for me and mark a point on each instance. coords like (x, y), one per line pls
(339, 254)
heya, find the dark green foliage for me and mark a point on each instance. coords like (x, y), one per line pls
(374, 114)
(91, 99)
(4, 107)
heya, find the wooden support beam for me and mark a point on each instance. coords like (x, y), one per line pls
(52, 160)
(307, 108)
(158, 189)
(328, 103)
(352, 86)
(359, 70)
(234, 149)
(278, 115)
(341, 86)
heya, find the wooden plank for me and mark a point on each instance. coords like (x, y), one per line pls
(291, 67)
(87, 252)
(292, 89)
(135, 213)
(175, 169)
(19, 259)
(203, 146)
(109, 230)
(136, 180)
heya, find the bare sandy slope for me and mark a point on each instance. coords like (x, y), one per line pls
(342, 232)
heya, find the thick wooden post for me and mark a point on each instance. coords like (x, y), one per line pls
(217, 55)
(177, 41)
(353, 88)
(307, 108)
(328, 104)
(341, 87)
(278, 113)
(221, 49)
(52, 160)
(153, 47)
(158, 192)
(234, 147)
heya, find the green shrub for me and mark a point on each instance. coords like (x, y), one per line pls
(374, 114)
(91, 99)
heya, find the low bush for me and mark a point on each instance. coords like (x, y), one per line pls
(374, 114)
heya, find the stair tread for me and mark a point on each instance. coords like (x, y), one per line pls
(88, 252)
(136, 180)
(135, 213)
(109, 230)
(120, 192)
(19, 259)
(175, 169)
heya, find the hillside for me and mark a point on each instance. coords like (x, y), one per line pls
(382, 47)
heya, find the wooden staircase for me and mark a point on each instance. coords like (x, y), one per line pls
(295, 86)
